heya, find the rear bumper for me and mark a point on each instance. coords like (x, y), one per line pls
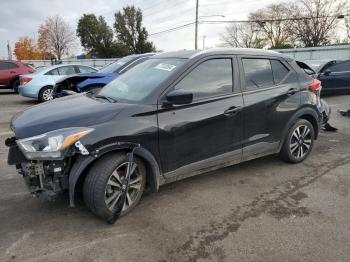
(28, 91)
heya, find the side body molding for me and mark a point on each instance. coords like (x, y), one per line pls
(154, 178)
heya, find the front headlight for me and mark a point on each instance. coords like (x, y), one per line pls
(51, 145)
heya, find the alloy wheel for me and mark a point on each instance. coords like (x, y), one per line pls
(300, 141)
(48, 94)
(114, 184)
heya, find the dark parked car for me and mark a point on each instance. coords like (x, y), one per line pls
(11, 70)
(84, 82)
(190, 111)
(334, 75)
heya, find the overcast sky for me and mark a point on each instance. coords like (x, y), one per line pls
(22, 18)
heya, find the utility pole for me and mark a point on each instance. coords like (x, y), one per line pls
(9, 50)
(203, 42)
(196, 28)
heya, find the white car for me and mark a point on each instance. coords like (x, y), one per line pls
(40, 84)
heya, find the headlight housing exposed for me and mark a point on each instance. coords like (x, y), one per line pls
(53, 144)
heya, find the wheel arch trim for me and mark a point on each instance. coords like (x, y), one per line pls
(307, 113)
(154, 178)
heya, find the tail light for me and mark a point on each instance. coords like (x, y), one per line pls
(25, 80)
(315, 87)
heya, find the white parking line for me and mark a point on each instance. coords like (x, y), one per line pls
(9, 133)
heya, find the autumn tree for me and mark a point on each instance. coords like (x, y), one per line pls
(130, 32)
(270, 23)
(242, 35)
(97, 37)
(56, 36)
(25, 49)
(314, 21)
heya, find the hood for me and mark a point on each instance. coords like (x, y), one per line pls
(71, 111)
(101, 81)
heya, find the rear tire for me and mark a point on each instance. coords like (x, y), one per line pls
(15, 85)
(101, 185)
(299, 142)
(46, 94)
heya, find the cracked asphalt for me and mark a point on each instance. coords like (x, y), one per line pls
(262, 210)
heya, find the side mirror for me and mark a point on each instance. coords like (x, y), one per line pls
(327, 72)
(179, 97)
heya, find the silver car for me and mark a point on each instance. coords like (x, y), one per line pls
(40, 84)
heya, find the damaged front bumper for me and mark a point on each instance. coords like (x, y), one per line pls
(44, 178)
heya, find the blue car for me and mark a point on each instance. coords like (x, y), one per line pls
(84, 82)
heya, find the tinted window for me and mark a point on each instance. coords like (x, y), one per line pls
(52, 72)
(258, 73)
(141, 80)
(66, 70)
(86, 69)
(116, 66)
(279, 71)
(340, 67)
(210, 78)
(138, 61)
(3, 66)
(12, 65)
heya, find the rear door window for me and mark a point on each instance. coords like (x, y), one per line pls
(210, 78)
(66, 70)
(86, 69)
(258, 73)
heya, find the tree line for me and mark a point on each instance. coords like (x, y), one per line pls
(57, 38)
(301, 23)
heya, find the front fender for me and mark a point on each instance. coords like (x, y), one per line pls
(154, 177)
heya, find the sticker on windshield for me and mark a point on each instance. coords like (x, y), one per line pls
(166, 67)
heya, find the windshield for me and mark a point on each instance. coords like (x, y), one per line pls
(137, 83)
(114, 67)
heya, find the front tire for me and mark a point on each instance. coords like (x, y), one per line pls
(102, 184)
(46, 94)
(299, 142)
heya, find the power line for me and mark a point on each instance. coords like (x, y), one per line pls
(272, 20)
(244, 21)
(160, 5)
(173, 29)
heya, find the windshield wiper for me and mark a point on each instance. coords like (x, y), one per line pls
(110, 99)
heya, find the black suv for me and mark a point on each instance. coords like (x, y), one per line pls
(190, 112)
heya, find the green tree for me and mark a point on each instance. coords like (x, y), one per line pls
(129, 31)
(97, 37)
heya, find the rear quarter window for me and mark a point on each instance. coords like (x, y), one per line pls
(3, 66)
(340, 67)
(52, 72)
(12, 65)
(279, 70)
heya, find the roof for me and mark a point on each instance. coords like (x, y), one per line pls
(218, 51)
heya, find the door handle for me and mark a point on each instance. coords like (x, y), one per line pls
(232, 110)
(12, 72)
(291, 91)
